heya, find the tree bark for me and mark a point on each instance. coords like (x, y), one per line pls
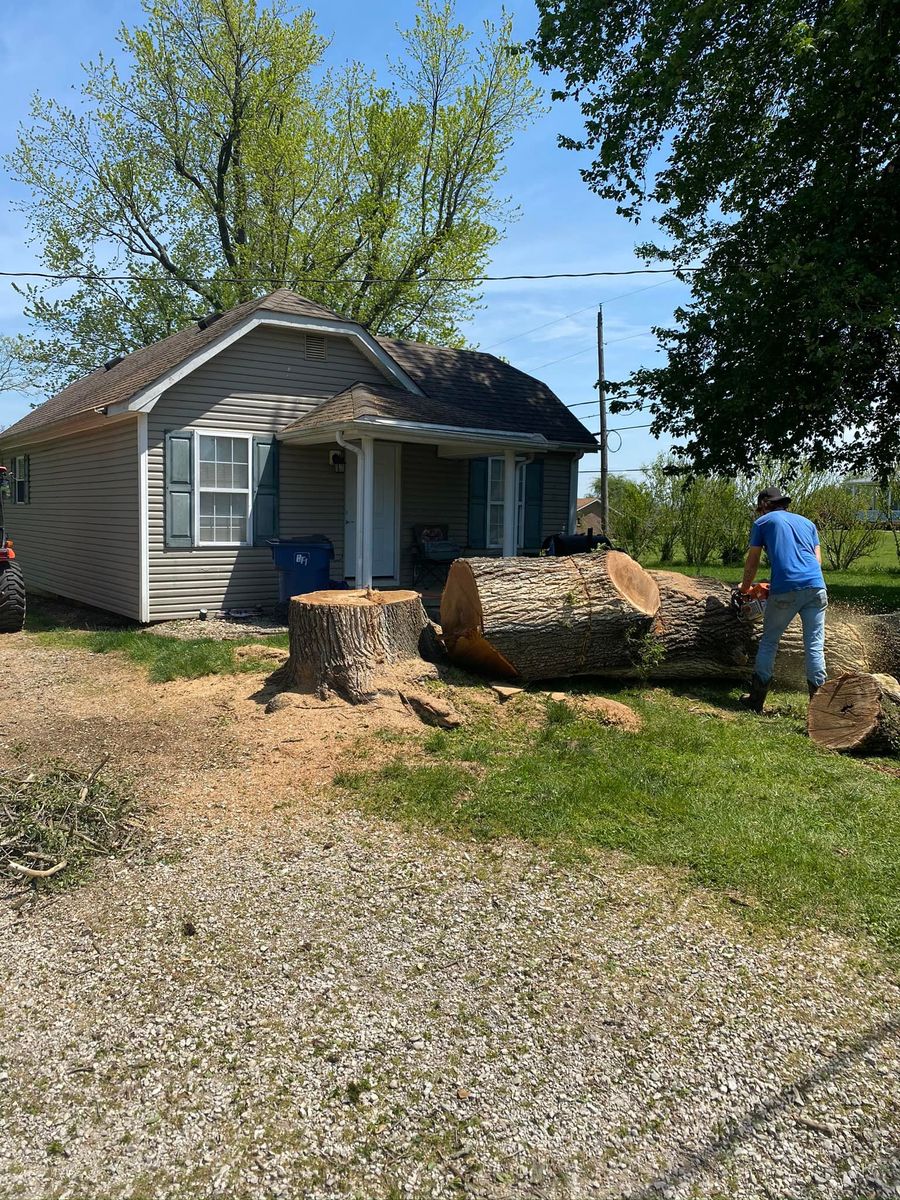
(344, 641)
(700, 637)
(857, 713)
(546, 618)
(497, 606)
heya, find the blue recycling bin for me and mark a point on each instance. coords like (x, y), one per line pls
(303, 564)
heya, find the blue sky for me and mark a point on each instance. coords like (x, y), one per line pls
(562, 227)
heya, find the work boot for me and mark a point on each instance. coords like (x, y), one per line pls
(756, 697)
(812, 688)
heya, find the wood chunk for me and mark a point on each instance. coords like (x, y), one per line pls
(432, 710)
(857, 713)
(504, 693)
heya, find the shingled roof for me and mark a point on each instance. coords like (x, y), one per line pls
(144, 367)
(462, 387)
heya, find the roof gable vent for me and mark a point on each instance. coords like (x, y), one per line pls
(315, 347)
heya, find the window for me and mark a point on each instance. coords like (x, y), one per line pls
(496, 473)
(223, 489)
(21, 482)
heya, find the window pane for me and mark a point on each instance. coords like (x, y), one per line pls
(495, 474)
(224, 461)
(495, 525)
(223, 517)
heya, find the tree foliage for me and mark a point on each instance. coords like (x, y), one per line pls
(222, 159)
(764, 135)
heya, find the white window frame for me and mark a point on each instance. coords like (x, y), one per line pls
(23, 476)
(237, 435)
(520, 504)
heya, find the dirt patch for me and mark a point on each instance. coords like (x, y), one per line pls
(611, 712)
(219, 628)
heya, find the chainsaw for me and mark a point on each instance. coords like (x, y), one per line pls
(750, 605)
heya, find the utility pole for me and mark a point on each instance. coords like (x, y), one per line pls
(604, 440)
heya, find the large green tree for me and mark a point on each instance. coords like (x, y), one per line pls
(221, 159)
(764, 137)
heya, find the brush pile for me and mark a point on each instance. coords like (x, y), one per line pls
(53, 823)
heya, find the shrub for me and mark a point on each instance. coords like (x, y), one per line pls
(668, 492)
(844, 534)
(633, 521)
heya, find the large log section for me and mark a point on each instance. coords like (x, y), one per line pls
(546, 618)
(343, 641)
(541, 618)
(858, 713)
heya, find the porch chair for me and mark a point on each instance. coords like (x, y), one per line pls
(432, 553)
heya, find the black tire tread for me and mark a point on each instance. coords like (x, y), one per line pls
(12, 598)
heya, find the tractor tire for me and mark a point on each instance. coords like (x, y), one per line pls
(12, 598)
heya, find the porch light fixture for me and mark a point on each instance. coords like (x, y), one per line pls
(337, 460)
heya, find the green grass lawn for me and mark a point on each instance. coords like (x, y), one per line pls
(742, 803)
(872, 584)
(164, 658)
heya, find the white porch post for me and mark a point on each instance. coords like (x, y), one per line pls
(510, 497)
(365, 513)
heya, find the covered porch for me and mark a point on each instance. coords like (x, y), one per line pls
(495, 491)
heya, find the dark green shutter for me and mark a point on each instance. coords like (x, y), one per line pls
(179, 490)
(534, 505)
(265, 490)
(478, 498)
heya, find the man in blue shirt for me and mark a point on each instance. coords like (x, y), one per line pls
(797, 587)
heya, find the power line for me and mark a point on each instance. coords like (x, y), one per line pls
(95, 276)
(587, 350)
(577, 312)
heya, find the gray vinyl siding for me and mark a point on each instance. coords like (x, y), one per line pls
(79, 535)
(271, 363)
(433, 490)
(557, 482)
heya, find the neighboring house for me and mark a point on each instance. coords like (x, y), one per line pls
(588, 514)
(150, 487)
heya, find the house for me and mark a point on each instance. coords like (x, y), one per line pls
(587, 514)
(150, 487)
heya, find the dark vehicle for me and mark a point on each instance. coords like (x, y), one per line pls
(12, 582)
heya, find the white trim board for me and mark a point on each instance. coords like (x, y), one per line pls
(143, 517)
(144, 400)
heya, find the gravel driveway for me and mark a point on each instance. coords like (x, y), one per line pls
(318, 1004)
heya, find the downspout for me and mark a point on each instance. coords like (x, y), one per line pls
(358, 567)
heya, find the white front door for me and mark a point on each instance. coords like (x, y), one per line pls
(384, 548)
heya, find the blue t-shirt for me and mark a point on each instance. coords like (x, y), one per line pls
(790, 542)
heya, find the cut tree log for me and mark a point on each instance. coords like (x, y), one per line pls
(546, 618)
(344, 642)
(857, 713)
(701, 637)
(492, 609)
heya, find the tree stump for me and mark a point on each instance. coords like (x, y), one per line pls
(546, 618)
(857, 713)
(343, 641)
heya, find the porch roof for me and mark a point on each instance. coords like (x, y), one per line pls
(378, 410)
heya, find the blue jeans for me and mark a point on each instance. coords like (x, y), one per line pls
(781, 609)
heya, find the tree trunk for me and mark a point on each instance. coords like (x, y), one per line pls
(857, 713)
(700, 637)
(343, 641)
(696, 634)
(545, 618)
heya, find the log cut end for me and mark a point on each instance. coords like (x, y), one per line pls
(462, 625)
(854, 713)
(633, 583)
(358, 598)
